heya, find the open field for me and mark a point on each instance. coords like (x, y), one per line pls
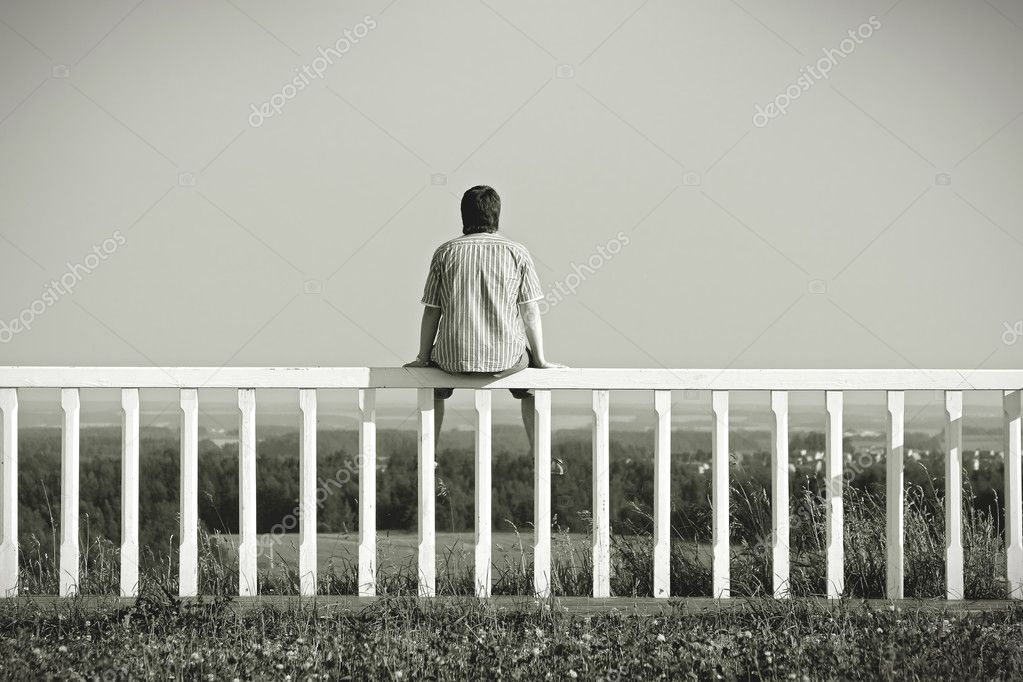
(396, 548)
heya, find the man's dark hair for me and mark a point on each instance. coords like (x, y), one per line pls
(481, 209)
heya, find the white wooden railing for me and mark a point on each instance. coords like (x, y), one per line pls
(600, 381)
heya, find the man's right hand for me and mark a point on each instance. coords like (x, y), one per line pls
(544, 364)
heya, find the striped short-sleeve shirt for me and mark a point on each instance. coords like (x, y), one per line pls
(477, 281)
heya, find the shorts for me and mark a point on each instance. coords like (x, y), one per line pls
(518, 393)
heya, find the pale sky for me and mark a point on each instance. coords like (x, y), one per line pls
(825, 238)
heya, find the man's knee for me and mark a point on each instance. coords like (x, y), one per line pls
(521, 393)
(442, 393)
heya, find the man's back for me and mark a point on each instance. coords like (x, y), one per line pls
(478, 281)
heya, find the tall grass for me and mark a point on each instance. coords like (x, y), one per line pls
(631, 554)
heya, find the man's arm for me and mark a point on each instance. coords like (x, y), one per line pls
(530, 312)
(427, 334)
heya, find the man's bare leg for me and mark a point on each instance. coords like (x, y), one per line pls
(438, 419)
(528, 420)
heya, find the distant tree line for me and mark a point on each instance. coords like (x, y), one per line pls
(277, 491)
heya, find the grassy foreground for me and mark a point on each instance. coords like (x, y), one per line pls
(404, 639)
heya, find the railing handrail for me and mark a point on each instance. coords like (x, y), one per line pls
(659, 382)
(565, 378)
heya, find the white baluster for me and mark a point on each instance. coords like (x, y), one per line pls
(833, 456)
(895, 497)
(662, 494)
(367, 492)
(427, 497)
(780, 492)
(601, 495)
(542, 493)
(721, 581)
(69, 473)
(130, 492)
(953, 494)
(307, 493)
(1013, 488)
(188, 548)
(483, 486)
(247, 544)
(9, 493)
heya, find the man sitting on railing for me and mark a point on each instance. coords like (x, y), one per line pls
(481, 301)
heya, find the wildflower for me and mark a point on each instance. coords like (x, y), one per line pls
(880, 630)
(62, 649)
(661, 638)
(536, 651)
(280, 666)
(398, 674)
(196, 656)
(539, 633)
(587, 637)
(573, 674)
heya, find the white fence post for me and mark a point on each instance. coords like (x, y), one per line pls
(367, 492)
(953, 494)
(188, 548)
(601, 495)
(483, 493)
(427, 497)
(307, 493)
(895, 497)
(662, 494)
(130, 492)
(542, 493)
(1013, 486)
(780, 492)
(69, 473)
(247, 543)
(833, 460)
(9, 493)
(719, 497)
